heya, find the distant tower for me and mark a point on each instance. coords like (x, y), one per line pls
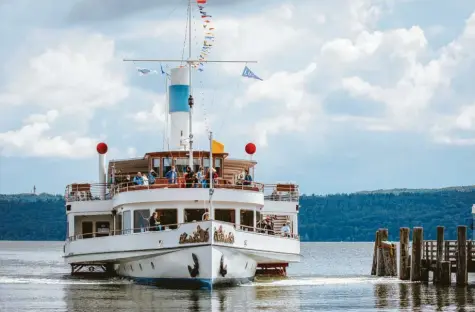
(179, 91)
(34, 189)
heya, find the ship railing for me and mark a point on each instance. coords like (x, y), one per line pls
(87, 192)
(129, 186)
(176, 226)
(288, 192)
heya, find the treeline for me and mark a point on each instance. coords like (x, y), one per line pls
(32, 217)
(356, 217)
(339, 217)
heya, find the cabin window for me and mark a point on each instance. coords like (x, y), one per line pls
(168, 218)
(205, 164)
(194, 215)
(180, 165)
(87, 229)
(196, 164)
(226, 215)
(156, 165)
(102, 228)
(247, 220)
(141, 220)
(126, 222)
(167, 165)
(218, 162)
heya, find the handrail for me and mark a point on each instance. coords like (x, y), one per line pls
(101, 191)
(449, 250)
(242, 228)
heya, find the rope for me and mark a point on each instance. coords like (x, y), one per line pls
(186, 36)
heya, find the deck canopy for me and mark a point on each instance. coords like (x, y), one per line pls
(233, 167)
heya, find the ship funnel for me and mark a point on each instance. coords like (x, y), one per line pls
(179, 92)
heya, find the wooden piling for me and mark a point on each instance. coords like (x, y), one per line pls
(404, 263)
(381, 266)
(417, 237)
(440, 253)
(445, 277)
(375, 253)
(462, 273)
(424, 275)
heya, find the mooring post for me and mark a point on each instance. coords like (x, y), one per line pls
(404, 253)
(445, 273)
(375, 253)
(417, 237)
(462, 273)
(381, 267)
(440, 253)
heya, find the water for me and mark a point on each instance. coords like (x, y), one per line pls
(332, 277)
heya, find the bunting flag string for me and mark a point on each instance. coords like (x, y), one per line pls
(208, 35)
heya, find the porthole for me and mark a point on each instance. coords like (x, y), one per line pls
(153, 265)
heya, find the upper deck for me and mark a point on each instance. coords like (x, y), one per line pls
(230, 173)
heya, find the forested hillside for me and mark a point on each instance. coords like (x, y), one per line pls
(339, 217)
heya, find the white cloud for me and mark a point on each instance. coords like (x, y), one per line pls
(75, 75)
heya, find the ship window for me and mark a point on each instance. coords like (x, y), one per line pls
(218, 166)
(167, 165)
(140, 266)
(196, 164)
(156, 165)
(180, 165)
(226, 215)
(247, 220)
(102, 228)
(152, 265)
(131, 268)
(141, 220)
(168, 218)
(194, 215)
(126, 222)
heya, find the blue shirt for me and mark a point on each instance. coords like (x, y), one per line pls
(138, 180)
(171, 175)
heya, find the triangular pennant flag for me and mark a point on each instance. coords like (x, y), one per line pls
(249, 74)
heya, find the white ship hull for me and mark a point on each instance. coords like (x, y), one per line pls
(171, 259)
(200, 266)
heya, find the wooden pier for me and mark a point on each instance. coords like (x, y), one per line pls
(441, 257)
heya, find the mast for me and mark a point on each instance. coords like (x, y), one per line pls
(189, 62)
(211, 189)
(190, 99)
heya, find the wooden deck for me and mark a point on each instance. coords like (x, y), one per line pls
(429, 255)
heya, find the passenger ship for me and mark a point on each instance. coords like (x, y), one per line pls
(208, 235)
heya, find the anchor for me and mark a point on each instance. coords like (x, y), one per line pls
(223, 269)
(195, 271)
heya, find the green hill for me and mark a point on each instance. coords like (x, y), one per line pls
(338, 217)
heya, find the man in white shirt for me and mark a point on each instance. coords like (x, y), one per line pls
(285, 230)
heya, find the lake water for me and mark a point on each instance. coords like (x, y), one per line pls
(332, 277)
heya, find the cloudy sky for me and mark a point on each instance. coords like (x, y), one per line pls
(357, 94)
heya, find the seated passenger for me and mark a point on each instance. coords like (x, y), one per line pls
(151, 177)
(145, 180)
(189, 177)
(171, 176)
(138, 179)
(247, 178)
(268, 226)
(285, 230)
(153, 222)
(200, 177)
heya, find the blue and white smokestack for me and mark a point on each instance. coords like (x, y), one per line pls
(179, 91)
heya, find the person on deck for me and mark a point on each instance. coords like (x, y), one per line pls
(171, 176)
(151, 177)
(189, 177)
(138, 179)
(153, 222)
(285, 230)
(247, 178)
(200, 177)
